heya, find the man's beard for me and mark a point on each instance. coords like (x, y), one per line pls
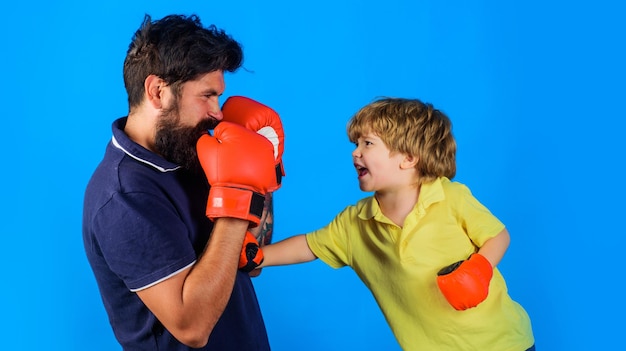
(177, 143)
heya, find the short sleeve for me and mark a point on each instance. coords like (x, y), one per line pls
(142, 239)
(331, 244)
(479, 223)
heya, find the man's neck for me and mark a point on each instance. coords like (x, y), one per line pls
(141, 129)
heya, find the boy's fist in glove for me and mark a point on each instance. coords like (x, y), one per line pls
(251, 254)
(465, 284)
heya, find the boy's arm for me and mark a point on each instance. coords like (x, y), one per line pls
(465, 284)
(494, 248)
(289, 251)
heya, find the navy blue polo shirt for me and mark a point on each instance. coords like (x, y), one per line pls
(144, 221)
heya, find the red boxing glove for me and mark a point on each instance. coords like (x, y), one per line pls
(239, 165)
(465, 284)
(261, 119)
(251, 254)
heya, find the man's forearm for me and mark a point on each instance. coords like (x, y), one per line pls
(208, 286)
(263, 232)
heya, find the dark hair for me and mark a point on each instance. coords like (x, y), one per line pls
(177, 49)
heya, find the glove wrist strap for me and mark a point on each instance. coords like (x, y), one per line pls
(235, 203)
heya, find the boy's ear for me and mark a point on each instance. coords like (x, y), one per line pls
(409, 161)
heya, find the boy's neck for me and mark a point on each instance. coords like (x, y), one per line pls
(397, 205)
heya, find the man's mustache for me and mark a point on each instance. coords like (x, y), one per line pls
(204, 126)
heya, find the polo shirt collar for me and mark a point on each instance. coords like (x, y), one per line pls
(122, 142)
(429, 193)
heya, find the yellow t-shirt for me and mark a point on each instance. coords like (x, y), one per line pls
(400, 265)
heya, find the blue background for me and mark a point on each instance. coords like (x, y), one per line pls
(535, 90)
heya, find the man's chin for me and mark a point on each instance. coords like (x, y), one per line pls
(178, 144)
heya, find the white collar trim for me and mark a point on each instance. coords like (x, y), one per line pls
(117, 145)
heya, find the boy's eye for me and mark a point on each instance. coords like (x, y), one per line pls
(362, 142)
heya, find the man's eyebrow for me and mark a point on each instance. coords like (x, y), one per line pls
(210, 91)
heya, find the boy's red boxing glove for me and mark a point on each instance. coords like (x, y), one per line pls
(261, 119)
(239, 165)
(251, 254)
(465, 284)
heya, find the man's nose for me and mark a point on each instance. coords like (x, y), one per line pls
(217, 114)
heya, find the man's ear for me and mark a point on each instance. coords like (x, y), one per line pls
(409, 161)
(154, 87)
